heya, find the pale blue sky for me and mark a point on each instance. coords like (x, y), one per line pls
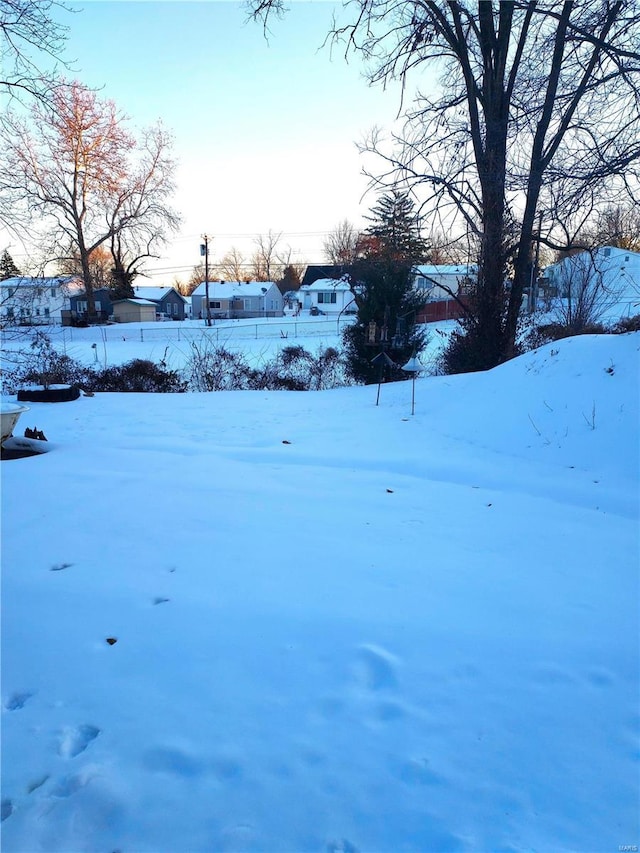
(265, 130)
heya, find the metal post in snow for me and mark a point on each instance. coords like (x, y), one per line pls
(414, 367)
(382, 360)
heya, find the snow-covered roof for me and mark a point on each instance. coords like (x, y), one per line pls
(446, 269)
(135, 302)
(231, 289)
(155, 294)
(41, 281)
(327, 284)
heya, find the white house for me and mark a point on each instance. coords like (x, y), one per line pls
(29, 300)
(327, 296)
(237, 300)
(439, 284)
(439, 281)
(613, 272)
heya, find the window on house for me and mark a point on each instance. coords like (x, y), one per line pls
(53, 291)
(421, 282)
(9, 312)
(37, 312)
(175, 309)
(12, 291)
(98, 305)
(81, 305)
(327, 298)
(46, 312)
(607, 253)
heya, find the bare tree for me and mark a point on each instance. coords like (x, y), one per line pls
(233, 266)
(537, 112)
(264, 262)
(618, 225)
(585, 290)
(196, 277)
(100, 264)
(77, 166)
(30, 35)
(341, 246)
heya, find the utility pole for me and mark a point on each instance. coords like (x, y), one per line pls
(204, 250)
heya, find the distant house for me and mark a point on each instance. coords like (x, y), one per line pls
(440, 284)
(327, 296)
(314, 272)
(76, 314)
(170, 304)
(134, 311)
(615, 271)
(36, 300)
(237, 300)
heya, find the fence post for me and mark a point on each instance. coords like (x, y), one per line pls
(141, 336)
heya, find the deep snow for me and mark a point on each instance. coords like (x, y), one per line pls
(339, 627)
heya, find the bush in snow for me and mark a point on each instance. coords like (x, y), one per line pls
(293, 369)
(41, 364)
(627, 324)
(136, 375)
(216, 369)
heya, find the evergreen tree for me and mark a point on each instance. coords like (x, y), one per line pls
(395, 229)
(290, 279)
(122, 280)
(382, 285)
(8, 269)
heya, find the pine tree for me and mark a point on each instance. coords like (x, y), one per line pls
(395, 229)
(8, 269)
(382, 284)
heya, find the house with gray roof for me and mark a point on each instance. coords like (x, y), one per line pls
(237, 300)
(170, 304)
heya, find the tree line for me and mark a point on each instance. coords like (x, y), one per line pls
(527, 146)
(529, 137)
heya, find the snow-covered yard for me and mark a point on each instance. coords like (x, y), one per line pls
(259, 339)
(337, 627)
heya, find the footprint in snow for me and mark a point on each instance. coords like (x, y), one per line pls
(75, 739)
(376, 668)
(6, 809)
(71, 784)
(37, 783)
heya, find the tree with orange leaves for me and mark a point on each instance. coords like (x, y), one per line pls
(76, 165)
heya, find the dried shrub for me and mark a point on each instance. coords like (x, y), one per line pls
(139, 375)
(41, 364)
(627, 324)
